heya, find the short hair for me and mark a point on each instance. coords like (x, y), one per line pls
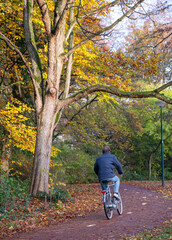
(106, 149)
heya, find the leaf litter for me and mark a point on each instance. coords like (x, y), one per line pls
(84, 199)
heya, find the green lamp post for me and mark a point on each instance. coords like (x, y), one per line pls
(161, 104)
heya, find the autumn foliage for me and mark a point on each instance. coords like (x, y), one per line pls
(20, 134)
(20, 130)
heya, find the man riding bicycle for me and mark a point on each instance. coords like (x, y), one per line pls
(104, 166)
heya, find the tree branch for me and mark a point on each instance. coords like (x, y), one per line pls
(88, 15)
(15, 49)
(162, 40)
(73, 117)
(91, 36)
(45, 15)
(33, 52)
(118, 93)
(12, 84)
(163, 87)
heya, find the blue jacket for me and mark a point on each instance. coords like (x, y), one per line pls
(104, 166)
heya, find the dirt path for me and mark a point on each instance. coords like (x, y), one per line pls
(143, 210)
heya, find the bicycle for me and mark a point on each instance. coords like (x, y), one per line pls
(110, 202)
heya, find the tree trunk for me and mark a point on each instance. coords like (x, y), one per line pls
(45, 128)
(6, 153)
(150, 166)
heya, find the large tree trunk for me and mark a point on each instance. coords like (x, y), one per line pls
(49, 107)
(43, 146)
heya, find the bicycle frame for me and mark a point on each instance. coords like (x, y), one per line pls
(108, 191)
(110, 202)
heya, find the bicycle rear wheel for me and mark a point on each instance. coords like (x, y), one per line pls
(119, 206)
(108, 208)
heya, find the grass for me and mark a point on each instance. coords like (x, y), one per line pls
(163, 232)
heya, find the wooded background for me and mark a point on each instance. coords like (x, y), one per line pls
(71, 82)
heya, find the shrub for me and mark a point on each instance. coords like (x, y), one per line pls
(56, 193)
(12, 189)
(76, 166)
(132, 176)
(168, 174)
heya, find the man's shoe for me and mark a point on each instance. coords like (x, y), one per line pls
(116, 196)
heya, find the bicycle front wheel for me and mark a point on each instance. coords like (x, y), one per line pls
(108, 207)
(119, 206)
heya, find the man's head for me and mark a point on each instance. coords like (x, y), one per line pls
(106, 149)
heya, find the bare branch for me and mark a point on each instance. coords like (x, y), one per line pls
(12, 84)
(69, 63)
(75, 114)
(160, 89)
(15, 49)
(162, 40)
(61, 8)
(45, 15)
(106, 29)
(119, 93)
(85, 106)
(78, 18)
(33, 52)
